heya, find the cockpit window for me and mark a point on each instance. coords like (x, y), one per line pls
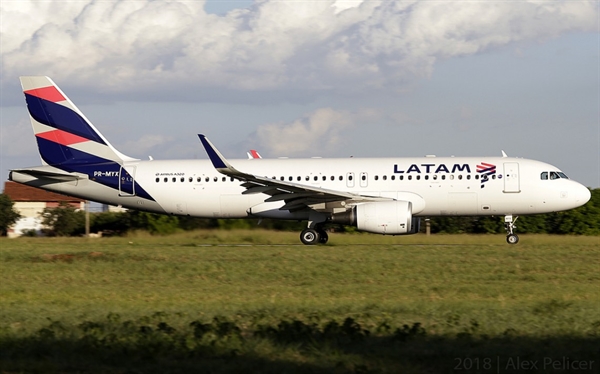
(553, 175)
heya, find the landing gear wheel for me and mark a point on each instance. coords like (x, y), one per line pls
(509, 225)
(324, 237)
(310, 237)
(512, 239)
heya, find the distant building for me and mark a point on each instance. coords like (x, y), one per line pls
(30, 203)
(112, 208)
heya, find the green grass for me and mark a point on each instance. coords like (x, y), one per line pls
(233, 301)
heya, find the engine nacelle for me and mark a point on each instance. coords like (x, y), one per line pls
(382, 217)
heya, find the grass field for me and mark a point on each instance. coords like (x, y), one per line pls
(257, 301)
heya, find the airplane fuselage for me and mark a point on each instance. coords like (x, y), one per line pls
(436, 186)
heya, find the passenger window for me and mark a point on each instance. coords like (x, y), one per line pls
(324, 178)
(460, 176)
(363, 177)
(349, 177)
(207, 179)
(341, 178)
(157, 179)
(316, 178)
(291, 178)
(376, 177)
(332, 178)
(418, 177)
(224, 179)
(410, 177)
(216, 179)
(182, 179)
(393, 177)
(299, 179)
(174, 179)
(427, 177)
(443, 177)
(401, 177)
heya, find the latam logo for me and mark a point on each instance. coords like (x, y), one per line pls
(487, 172)
(433, 168)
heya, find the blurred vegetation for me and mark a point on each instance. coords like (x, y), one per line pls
(8, 215)
(66, 221)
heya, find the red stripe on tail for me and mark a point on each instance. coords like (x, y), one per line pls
(49, 93)
(61, 137)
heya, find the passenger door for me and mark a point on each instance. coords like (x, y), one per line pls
(127, 181)
(511, 177)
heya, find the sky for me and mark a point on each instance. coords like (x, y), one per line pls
(328, 78)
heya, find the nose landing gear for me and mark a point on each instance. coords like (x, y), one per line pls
(511, 237)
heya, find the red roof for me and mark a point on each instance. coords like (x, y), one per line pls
(21, 192)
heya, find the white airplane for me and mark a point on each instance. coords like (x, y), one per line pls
(379, 195)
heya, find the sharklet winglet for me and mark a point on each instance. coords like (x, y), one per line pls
(215, 156)
(221, 164)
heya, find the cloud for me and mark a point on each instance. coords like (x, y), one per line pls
(320, 131)
(318, 46)
(17, 140)
(146, 144)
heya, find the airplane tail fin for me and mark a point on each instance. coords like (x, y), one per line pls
(64, 136)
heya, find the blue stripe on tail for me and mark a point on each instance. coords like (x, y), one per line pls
(60, 117)
(59, 155)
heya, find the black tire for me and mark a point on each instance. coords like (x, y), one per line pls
(512, 239)
(310, 237)
(324, 237)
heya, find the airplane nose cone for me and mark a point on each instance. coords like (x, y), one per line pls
(582, 195)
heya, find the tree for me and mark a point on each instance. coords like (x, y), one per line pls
(8, 215)
(63, 220)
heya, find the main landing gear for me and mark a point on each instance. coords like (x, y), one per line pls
(511, 238)
(312, 236)
(314, 233)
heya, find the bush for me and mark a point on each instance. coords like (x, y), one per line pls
(160, 224)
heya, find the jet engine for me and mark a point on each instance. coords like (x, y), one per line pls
(382, 217)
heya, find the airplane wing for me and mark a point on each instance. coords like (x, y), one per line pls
(295, 195)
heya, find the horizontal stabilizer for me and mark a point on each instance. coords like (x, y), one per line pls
(44, 174)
